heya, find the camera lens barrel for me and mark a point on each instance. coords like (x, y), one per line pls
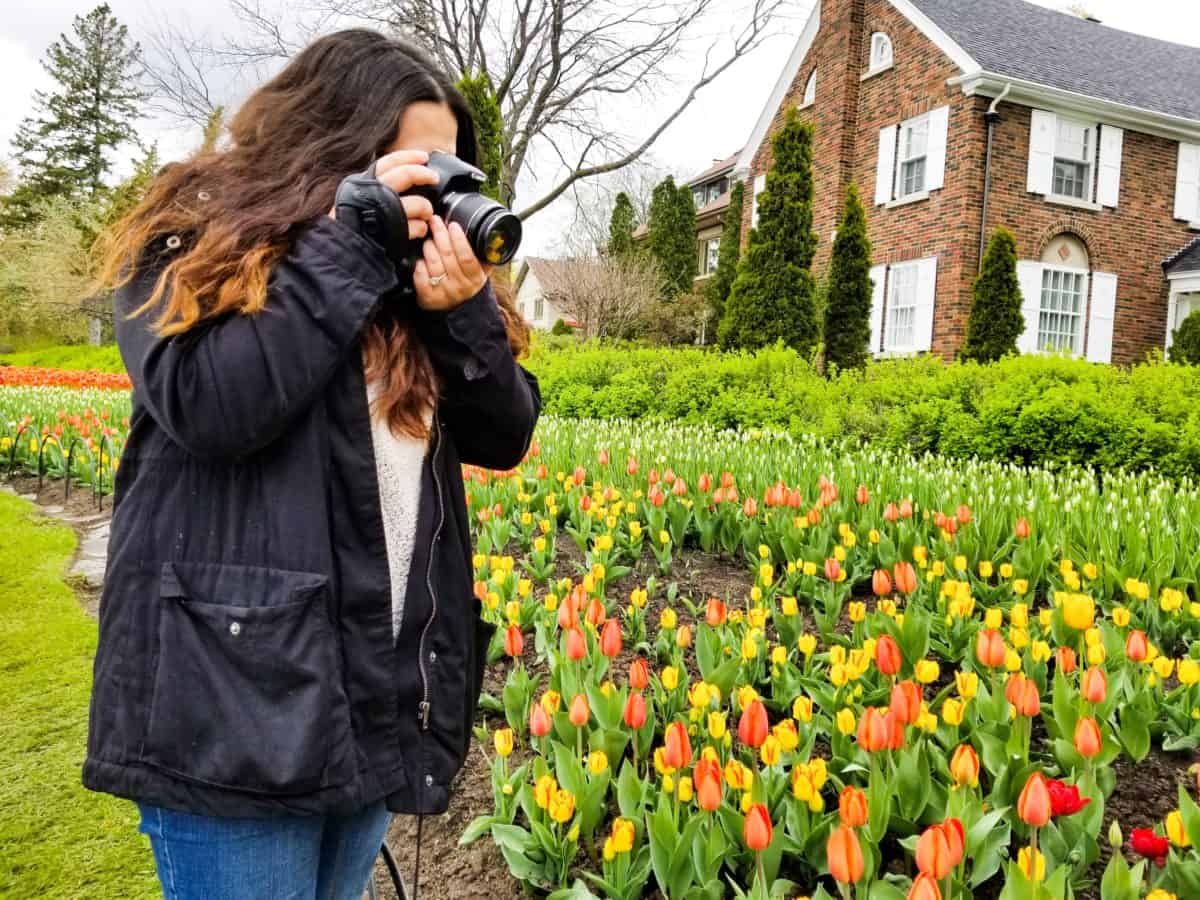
(492, 230)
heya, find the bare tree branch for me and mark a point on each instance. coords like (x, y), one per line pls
(606, 296)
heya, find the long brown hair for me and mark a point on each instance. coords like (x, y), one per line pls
(334, 108)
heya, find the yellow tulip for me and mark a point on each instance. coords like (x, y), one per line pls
(952, 711)
(1020, 587)
(802, 707)
(1189, 671)
(1040, 651)
(1176, 831)
(993, 619)
(927, 671)
(1164, 666)
(667, 620)
(806, 643)
(1120, 616)
(788, 606)
(845, 721)
(1096, 655)
(857, 611)
(622, 835)
(670, 678)
(502, 738)
(967, 684)
(1006, 571)
(1032, 863)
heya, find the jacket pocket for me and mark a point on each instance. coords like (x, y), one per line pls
(247, 686)
(482, 638)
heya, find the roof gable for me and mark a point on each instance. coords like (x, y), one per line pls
(1060, 50)
(1186, 261)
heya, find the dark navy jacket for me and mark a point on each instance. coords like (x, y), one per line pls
(246, 664)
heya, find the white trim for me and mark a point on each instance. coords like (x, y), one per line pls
(1108, 171)
(885, 164)
(1102, 312)
(904, 201)
(1071, 103)
(941, 40)
(872, 65)
(1187, 183)
(1185, 282)
(871, 73)
(786, 77)
(878, 278)
(1073, 202)
(810, 86)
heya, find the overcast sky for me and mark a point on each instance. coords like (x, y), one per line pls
(716, 125)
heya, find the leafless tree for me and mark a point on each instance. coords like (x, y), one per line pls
(605, 295)
(563, 70)
(593, 199)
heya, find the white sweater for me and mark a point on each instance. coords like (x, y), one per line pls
(398, 461)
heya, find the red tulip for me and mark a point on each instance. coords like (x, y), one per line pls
(1022, 693)
(678, 754)
(610, 638)
(635, 710)
(895, 730)
(891, 512)
(1145, 842)
(631, 467)
(750, 508)
(595, 612)
(906, 509)
(888, 657)
(753, 725)
(832, 569)
(757, 829)
(514, 641)
(1065, 799)
(704, 483)
(939, 849)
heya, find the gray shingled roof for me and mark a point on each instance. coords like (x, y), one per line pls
(1060, 50)
(1186, 260)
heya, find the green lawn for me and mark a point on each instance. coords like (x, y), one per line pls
(81, 356)
(56, 839)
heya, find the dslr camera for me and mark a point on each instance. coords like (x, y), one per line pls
(374, 210)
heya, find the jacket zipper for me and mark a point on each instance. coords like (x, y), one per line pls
(423, 707)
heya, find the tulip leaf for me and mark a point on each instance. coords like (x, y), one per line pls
(885, 890)
(577, 891)
(1117, 881)
(663, 840)
(1135, 731)
(1065, 712)
(991, 850)
(1190, 814)
(630, 792)
(879, 802)
(912, 783)
(479, 826)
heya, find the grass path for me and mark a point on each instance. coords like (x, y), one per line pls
(56, 839)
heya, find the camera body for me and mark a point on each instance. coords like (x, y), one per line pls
(375, 211)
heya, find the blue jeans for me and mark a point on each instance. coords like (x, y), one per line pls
(284, 858)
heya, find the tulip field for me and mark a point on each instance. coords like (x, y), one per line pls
(921, 682)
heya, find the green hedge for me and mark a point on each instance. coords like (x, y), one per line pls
(1043, 410)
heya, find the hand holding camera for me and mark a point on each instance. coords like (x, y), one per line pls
(426, 211)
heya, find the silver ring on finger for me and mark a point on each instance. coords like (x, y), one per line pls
(435, 280)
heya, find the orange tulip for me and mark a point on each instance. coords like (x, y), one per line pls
(1088, 741)
(895, 730)
(832, 569)
(750, 508)
(639, 674)
(964, 514)
(1033, 806)
(568, 613)
(872, 731)
(1065, 660)
(1022, 529)
(844, 855)
(964, 766)
(905, 577)
(707, 780)
(514, 641)
(888, 657)
(678, 753)
(715, 613)
(862, 496)
(1136, 648)
(753, 725)
(935, 855)
(757, 829)
(924, 887)
(881, 583)
(1022, 693)
(852, 807)
(891, 512)
(1094, 685)
(906, 701)
(990, 649)
(906, 509)
(595, 612)
(579, 713)
(539, 721)
(576, 644)
(610, 638)
(635, 710)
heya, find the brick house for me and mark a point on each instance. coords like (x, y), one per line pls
(956, 117)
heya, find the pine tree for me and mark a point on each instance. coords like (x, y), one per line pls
(996, 321)
(63, 149)
(717, 290)
(620, 226)
(772, 296)
(489, 130)
(848, 293)
(671, 237)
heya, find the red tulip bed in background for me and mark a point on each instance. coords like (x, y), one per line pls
(740, 664)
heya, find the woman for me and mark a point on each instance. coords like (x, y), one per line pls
(290, 648)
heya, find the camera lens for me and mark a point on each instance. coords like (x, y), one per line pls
(493, 232)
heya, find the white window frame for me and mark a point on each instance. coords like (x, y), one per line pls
(905, 157)
(883, 53)
(900, 275)
(539, 308)
(1046, 316)
(810, 91)
(698, 195)
(1089, 158)
(710, 251)
(1187, 185)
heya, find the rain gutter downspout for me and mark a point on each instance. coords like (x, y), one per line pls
(992, 116)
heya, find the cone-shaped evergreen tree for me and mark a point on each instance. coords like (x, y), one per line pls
(717, 289)
(620, 226)
(848, 295)
(996, 321)
(672, 236)
(489, 130)
(64, 147)
(772, 296)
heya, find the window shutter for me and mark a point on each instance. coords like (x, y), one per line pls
(760, 184)
(1029, 276)
(885, 166)
(877, 275)
(1108, 188)
(935, 158)
(1043, 130)
(1172, 311)
(1187, 183)
(1100, 318)
(923, 314)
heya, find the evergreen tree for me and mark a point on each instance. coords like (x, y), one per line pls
(213, 127)
(63, 148)
(996, 321)
(772, 296)
(717, 290)
(489, 130)
(671, 237)
(848, 293)
(620, 226)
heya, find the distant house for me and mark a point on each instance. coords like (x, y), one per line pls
(957, 117)
(532, 303)
(710, 193)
